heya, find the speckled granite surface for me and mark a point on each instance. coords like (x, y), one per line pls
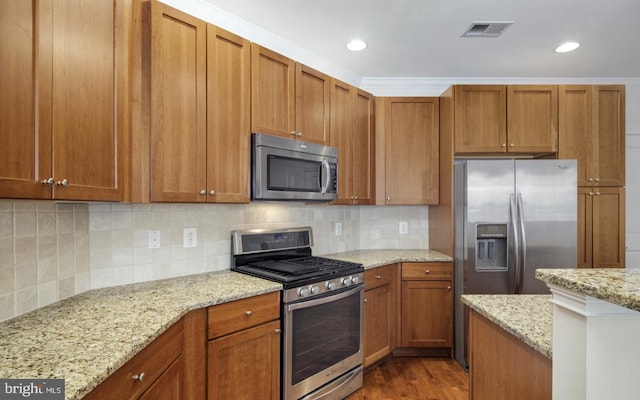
(527, 317)
(616, 286)
(87, 337)
(378, 258)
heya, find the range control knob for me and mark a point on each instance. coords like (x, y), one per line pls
(315, 289)
(355, 280)
(346, 281)
(303, 292)
(331, 285)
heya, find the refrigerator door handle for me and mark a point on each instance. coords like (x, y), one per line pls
(523, 242)
(516, 243)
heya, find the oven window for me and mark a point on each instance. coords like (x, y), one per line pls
(324, 335)
(292, 174)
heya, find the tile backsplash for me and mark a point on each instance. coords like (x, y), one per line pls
(50, 251)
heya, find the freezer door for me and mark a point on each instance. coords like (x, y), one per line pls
(547, 203)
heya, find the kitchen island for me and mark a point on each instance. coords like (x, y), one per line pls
(596, 326)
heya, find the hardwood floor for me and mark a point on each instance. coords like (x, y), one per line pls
(416, 378)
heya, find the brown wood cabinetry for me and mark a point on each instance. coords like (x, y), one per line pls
(592, 130)
(63, 103)
(352, 134)
(244, 349)
(511, 118)
(171, 367)
(381, 313)
(427, 305)
(288, 99)
(601, 227)
(503, 367)
(407, 140)
(199, 122)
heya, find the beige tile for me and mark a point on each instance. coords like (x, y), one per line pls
(26, 276)
(25, 205)
(65, 222)
(7, 306)
(7, 280)
(66, 287)
(26, 300)
(6, 252)
(26, 250)
(6, 205)
(82, 282)
(80, 220)
(47, 293)
(25, 224)
(6, 225)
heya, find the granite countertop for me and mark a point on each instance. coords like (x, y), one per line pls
(616, 286)
(527, 317)
(377, 258)
(85, 338)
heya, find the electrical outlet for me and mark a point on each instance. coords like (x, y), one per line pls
(189, 238)
(338, 228)
(403, 227)
(154, 239)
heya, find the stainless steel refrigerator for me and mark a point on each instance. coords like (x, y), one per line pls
(511, 217)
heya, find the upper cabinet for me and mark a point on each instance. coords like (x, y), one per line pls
(501, 119)
(407, 155)
(288, 99)
(352, 134)
(592, 131)
(199, 110)
(63, 103)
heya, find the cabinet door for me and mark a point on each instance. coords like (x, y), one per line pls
(575, 125)
(312, 104)
(362, 147)
(480, 118)
(178, 106)
(228, 116)
(88, 94)
(341, 137)
(532, 118)
(608, 227)
(609, 131)
(169, 385)
(411, 150)
(585, 227)
(246, 364)
(21, 170)
(426, 314)
(272, 92)
(378, 326)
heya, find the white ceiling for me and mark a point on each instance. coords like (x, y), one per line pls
(422, 38)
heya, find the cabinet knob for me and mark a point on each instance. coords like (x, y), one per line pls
(248, 313)
(49, 181)
(299, 134)
(138, 377)
(212, 193)
(378, 277)
(504, 145)
(597, 179)
(352, 198)
(203, 192)
(511, 145)
(293, 133)
(63, 183)
(277, 331)
(427, 272)
(448, 287)
(388, 198)
(357, 197)
(590, 193)
(597, 193)
(590, 179)
(365, 300)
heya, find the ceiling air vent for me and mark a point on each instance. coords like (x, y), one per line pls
(486, 29)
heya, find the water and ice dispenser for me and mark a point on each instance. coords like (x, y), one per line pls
(491, 247)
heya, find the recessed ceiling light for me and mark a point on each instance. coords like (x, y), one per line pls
(566, 47)
(356, 45)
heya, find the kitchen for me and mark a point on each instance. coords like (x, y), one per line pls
(85, 246)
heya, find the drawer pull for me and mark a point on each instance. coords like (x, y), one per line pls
(138, 377)
(248, 313)
(427, 272)
(378, 277)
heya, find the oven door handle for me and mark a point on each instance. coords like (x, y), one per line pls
(324, 300)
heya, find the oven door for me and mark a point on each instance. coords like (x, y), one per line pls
(323, 341)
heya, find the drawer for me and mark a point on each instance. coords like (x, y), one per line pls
(151, 361)
(380, 276)
(241, 314)
(427, 271)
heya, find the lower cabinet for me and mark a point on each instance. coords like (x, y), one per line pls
(381, 310)
(427, 305)
(502, 367)
(243, 350)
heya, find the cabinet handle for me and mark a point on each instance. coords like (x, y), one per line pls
(427, 272)
(248, 313)
(378, 277)
(203, 192)
(138, 377)
(64, 183)
(278, 331)
(212, 193)
(49, 181)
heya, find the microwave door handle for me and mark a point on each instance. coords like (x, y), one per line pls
(327, 168)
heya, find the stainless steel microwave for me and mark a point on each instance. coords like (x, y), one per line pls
(286, 169)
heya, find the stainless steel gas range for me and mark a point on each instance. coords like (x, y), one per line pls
(321, 311)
